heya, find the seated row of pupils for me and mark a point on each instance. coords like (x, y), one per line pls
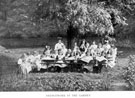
(84, 49)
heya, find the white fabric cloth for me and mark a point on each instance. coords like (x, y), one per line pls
(111, 63)
(39, 65)
(64, 51)
(48, 58)
(82, 55)
(106, 47)
(70, 58)
(30, 58)
(75, 48)
(60, 57)
(114, 53)
(47, 52)
(93, 47)
(26, 67)
(101, 58)
(60, 64)
(19, 61)
(99, 51)
(87, 59)
(58, 46)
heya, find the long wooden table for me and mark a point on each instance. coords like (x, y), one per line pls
(73, 62)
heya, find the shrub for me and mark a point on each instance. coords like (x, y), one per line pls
(130, 72)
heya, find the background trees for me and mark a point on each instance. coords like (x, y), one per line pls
(16, 20)
(34, 18)
(85, 16)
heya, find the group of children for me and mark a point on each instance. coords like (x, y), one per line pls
(106, 50)
(29, 61)
(85, 52)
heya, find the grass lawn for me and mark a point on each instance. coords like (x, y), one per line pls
(12, 80)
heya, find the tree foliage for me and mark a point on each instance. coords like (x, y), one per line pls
(16, 20)
(99, 16)
(35, 17)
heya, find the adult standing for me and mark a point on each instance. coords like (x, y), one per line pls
(83, 45)
(59, 46)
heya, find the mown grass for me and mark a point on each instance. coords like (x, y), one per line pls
(12, 80)
(54, 82)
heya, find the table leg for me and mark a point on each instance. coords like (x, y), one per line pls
(47, 67)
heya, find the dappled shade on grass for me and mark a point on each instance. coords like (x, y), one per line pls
(56, 82)
(12, 80)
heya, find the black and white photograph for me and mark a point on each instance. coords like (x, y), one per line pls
(67, 45)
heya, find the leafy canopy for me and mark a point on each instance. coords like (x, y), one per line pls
(99, 16)
(34, 17)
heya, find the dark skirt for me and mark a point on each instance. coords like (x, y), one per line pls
(82, 49)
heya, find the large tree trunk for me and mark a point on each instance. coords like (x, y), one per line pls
(69, 37)
(71, 34)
